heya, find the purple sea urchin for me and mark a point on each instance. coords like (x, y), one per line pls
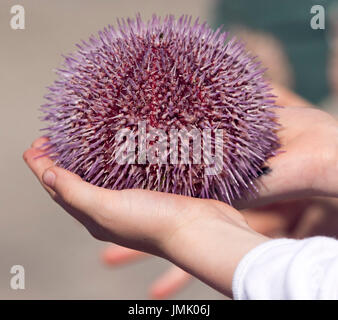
(168, 74)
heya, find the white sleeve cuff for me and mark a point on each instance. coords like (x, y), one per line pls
(242, 269)
(289, 269)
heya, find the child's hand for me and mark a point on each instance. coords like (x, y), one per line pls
(189, 232)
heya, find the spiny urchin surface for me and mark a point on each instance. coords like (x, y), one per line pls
(170, 74)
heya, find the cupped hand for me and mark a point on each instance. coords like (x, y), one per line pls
(135, 218)
(178, 228)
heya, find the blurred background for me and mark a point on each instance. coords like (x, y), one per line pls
(60, 258)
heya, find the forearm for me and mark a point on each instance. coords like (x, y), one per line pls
(212, 251)
(245, 265)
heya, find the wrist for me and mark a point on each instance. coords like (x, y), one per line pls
(211, 249)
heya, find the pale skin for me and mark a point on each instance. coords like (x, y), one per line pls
(206, 238)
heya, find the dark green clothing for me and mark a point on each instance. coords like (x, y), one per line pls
(289, 21)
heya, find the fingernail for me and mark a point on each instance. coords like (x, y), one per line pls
(49, 178)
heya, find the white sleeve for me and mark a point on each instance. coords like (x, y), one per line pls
(289, 269)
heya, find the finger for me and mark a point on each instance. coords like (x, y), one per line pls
(115, 255)
(275, 187)
(169, 283)
(37, 162)
(69, 189)
(36, 152)
(114, 207)
(76, 193)
(39, 142)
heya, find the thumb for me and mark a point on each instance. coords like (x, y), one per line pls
(75, 192)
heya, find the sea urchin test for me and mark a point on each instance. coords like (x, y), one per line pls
(166, 105)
